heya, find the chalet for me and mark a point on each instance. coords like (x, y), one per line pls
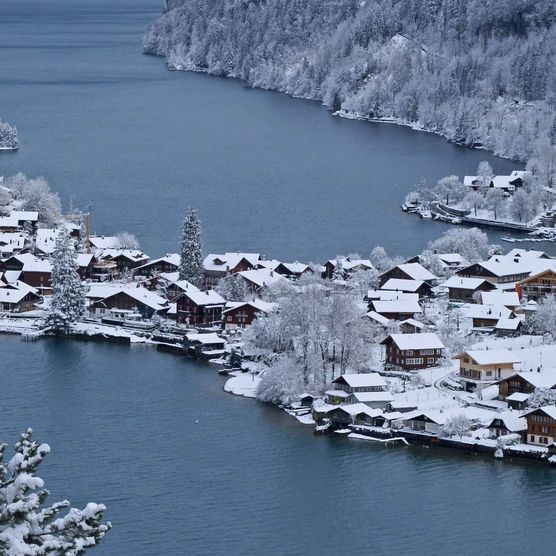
(508, 184)
(168, 263)
(205, 345)
(175, 288)
(427, 422)
(412, 351)
(293, 270)
(517, 401)
(104, 242)
(104, 270)
(11, 243)
(485, 316)
(411, 326)
(464, 290)
(508, 327)
(85, 265)
(502, 269)
(348, 266)
(34, 271)
(375, 318)
(407, 271)
(360, 382)
(218, 266)
(538, 285)
(526, 382)
(25, 217)
(423, 289)
(20, 299)
(484, 367)
(395, 309)
(506, 423)
(356, 413)
(45, 240)
(199, 308)
(138, 300)
(239, 314)
(541, 425)
(528, 253)
(9, 224)
(125, 259)
(261, 278)
(336, 397)
(390, 295)
(451, 260)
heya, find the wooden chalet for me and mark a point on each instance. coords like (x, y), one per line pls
(199, 308)
(537, 286)
(420, 287)
(168, 263)
(135, 300)
(526, 382)
(125, 259)
(412, 351)
(34, 271)
(541, 425)
(507, 423)
(407, 271)
(15, 299)
(242, 313)
(360, 382)
(484, 367)
(218, 266)
(466, 290)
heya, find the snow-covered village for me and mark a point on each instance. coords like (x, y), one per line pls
(263, 258)
(452, 347)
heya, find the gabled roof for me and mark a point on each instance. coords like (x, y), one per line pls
(373, 315)
(171, 258)
(459, 282)
(228, 261)
(199, 297)
(390, 295)
(498, 297)
(104, 242)
(413, 322)
(11, 295)
(402, 285)
(491, 356)
(397, 306)
(208, 338)
(257, 304)
(531, 253)
(494, 312)
(549, 410)
(361, 380)
(129, 254)
(512, 421)
(262, 277)
(508, 324)
(365, 397)
(144, 296)
(423, 340)
(32, 263)
(545, 379)
(416, 271)
(25, 215)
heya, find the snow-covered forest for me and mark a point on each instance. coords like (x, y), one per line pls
(475, 71)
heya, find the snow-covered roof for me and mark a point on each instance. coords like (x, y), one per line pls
(358, 408)
(363, 264)
(474, 311)
(84, 259)
(390, 295)
(508, 324)
(99, 290)
(130, 254)
(503, 265)
(397, 306)
(144, 296)
(25, 215)
(434, 416)
(417, 271)
(402, 285)
(296, 267)
(512, 421)
(378, 318)
(528, 253)
(549, 410)
(11, 276)
(498, 297)
(518, 397)
(361, 380)
(544, 379)
(46, 239)
(413, 322)
(208, 338)
(11, 295)
(199, 297)
(262, 277)
(11, 241)
(228, 261)
(463, 283)
(33, 264)
(104, 242)
(492, 356)
(171, 258)
(257, 304)
(451, 258)
(8, 222)
(423, 340)
(337, 393)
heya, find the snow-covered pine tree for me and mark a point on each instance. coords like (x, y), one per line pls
(191, 263)
(26, 527)
(338, 272)
(68, 299)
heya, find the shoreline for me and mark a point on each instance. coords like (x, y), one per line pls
(242, 383)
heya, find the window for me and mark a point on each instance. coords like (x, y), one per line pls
(532, 438)
(427, 352)
(414, 361)
(430, 360)
(489, 373)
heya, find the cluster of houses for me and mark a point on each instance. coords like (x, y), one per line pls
(494, 298)
(508, 183)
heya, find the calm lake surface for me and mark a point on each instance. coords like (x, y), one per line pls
(183, 467)
(270, 174)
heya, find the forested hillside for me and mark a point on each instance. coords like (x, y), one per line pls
(475, 71)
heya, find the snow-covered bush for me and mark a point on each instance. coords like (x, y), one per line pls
(234, 288)
(27, 527)
(541, 397)
(36, 195)
(8, 136)
(544, 319)
(455, 425)
(125, 240)
(282, 383)
(470, 243)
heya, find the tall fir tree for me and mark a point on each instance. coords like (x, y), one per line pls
(68, 299)
(191, 263)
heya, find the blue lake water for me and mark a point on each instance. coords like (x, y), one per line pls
(183, 467)
(271, 174)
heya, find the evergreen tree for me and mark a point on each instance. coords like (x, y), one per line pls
(28, 528)
(191, 263)
(68, 299)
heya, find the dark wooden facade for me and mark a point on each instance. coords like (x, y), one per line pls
(410, 359)
(192, 314)
(541, 427)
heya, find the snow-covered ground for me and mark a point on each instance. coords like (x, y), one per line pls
(242, 384)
